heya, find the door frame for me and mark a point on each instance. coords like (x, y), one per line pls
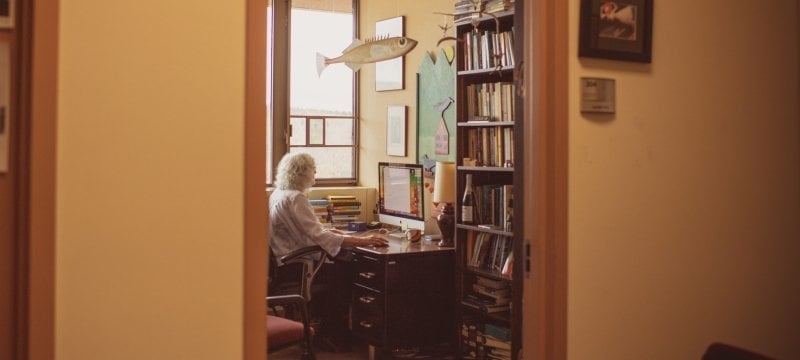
(545, 75)
(544, 288)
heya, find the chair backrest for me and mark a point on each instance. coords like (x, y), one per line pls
(309, 259)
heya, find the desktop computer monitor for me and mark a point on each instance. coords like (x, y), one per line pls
(400, 195)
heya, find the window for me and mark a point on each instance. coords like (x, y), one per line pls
(320, 119)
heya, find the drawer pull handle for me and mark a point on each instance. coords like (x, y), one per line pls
(367, 275)
(365, 324)
(366, 299)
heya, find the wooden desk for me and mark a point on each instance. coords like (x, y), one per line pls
(403, 295)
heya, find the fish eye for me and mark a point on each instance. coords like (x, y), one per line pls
(402, 41)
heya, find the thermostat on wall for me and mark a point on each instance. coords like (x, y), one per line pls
(597, 95)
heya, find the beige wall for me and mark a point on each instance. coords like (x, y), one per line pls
(684, 206)
(150, 180)
(421, 24)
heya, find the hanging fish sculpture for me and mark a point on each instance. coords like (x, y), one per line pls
(370, 51)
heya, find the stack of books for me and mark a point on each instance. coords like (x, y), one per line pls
(471, 330)
(488, 295)
(496, 341)
(495, 6)
(464, 9)
(484, 340)
(321, 210)
(343, 209)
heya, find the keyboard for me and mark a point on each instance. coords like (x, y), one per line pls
(397, 235)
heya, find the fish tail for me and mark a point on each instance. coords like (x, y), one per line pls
(321, 65)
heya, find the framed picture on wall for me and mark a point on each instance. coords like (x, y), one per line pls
(396, 130)
(389, 73)
(6, 14)
(616, 29)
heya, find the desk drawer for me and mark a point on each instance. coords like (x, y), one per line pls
(368, 314)
(368, 271)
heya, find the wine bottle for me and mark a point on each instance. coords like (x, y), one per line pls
(468, 203)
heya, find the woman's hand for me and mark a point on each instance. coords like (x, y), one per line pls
(373, 240)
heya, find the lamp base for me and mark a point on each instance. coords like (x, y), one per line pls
(447, 222)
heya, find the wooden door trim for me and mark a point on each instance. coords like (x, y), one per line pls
(545, 201)
(255, 195)
(39, 207)
(21, 201)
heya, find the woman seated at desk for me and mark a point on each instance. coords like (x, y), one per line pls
(293, 225)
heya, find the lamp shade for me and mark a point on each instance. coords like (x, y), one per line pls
(444, 185)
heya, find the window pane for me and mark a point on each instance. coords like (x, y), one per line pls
(331, 162)
(329, 93)
(315, 96)
(298, 137)
(339, 132)
(316, 132)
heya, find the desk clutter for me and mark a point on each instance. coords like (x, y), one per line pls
(337, 210)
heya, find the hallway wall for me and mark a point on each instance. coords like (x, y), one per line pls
(684, 205)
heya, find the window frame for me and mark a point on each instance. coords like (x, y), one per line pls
(279, 131)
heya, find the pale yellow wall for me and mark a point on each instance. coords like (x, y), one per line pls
(150, 180)
(421, 24)
(684, 206)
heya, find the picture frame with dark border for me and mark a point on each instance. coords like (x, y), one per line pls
(7, 14)
(616, 29)
(396, 130)
(390, 74)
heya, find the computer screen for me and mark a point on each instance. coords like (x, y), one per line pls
(400, 195)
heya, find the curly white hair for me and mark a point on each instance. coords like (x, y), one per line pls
(296, 171)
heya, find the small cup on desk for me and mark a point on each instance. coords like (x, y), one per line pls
(413, 235)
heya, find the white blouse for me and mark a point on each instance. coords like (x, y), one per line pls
(293, 225)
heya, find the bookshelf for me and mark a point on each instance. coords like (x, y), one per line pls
(488, 123)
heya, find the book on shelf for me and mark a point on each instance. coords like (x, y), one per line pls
(493, 102)
(341, 197)
(471, 330)
(490, 146)
(488, 251)
(488, 299)
(492, 283)
(483, 304)
(502, 333)
(346, 212)
(490, 291)
(498, 354)
(492, 342)
(508, 266)
(487, 49)
(494, 204)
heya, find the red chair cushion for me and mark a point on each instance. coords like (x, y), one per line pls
(281, 331)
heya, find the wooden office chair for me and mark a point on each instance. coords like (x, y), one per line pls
(294, 294)
(284, 332)
(720, 351)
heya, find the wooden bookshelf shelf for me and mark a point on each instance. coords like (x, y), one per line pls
(488, 153)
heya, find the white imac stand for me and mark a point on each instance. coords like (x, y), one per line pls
(401, 222)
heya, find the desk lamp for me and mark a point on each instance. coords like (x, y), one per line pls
(444, 192)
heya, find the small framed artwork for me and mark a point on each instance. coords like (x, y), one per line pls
(389, 73)
(396, 131)
(616, 29)
(7, 14)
